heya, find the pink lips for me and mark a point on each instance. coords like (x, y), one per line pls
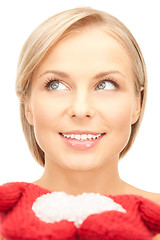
(81, 145)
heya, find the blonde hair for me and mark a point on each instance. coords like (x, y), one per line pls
(53, 30)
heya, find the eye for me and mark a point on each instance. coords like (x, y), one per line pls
(55, 85)
(107, 85)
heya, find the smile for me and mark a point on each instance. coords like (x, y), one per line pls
(81, 141)
(82, 137)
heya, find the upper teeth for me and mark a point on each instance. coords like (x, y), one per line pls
(82, 136)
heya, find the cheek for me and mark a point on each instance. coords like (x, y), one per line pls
(46, 118)
(118, 118)
(45, 112)
(121, 117)
(118, 111)
(118, 121)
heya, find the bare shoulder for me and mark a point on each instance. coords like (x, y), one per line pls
(129, 189)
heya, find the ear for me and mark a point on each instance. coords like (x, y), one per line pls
(28, 113)
(138, 106)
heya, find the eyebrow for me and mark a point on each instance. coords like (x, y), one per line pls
(99, 75)
(102, 74)
(61, 74)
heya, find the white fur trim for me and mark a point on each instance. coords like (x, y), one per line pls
(57, 206)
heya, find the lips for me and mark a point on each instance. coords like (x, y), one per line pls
(82, 132)
(81, 140)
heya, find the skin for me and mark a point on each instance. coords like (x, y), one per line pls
(79, 105)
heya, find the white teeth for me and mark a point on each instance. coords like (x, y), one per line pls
(90, 136)
(78, 137)
(82, 137)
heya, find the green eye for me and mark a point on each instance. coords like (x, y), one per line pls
(55, 85)
(101, 85)
(107, 85)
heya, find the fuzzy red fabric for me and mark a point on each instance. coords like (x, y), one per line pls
(18, 221)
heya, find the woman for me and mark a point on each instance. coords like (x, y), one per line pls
(81, 82)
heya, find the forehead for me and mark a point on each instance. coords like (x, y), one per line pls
(89, 50)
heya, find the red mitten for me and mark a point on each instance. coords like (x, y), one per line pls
(10, 193)
(150, 213)
(19, 222)
(29, 212)
(114, 225)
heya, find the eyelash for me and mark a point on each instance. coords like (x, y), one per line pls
(112, 80)
(49, 81)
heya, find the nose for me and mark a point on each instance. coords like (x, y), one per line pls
(82, 106)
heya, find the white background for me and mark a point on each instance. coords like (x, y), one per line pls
(141, 166)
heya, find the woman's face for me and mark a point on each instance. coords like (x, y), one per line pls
(83, 89)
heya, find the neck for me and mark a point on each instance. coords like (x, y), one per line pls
(104, 180)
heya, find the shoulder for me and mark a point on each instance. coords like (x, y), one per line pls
(12, 187)
(129, 189)
(10, 193)
(155, 197)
